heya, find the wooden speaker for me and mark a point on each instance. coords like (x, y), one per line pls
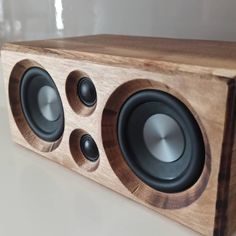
(153, 119)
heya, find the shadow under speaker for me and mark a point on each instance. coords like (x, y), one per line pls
(153, 119)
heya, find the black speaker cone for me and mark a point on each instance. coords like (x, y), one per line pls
(161, 141)
(41, 104)
(89, 148)
(87, 92)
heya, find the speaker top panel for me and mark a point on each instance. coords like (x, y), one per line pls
(210, 57)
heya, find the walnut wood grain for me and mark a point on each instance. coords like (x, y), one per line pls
(199, 73)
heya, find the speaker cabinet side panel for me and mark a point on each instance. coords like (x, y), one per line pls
(227, 176)
(207, 95)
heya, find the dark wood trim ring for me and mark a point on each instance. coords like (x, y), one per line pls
(77, 154)
(71, 92)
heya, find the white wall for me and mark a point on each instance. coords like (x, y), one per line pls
(37, 19)
(33, 19)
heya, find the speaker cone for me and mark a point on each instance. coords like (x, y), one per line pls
(87, 92)
(41, 104)
(89, 148)
(161, 141)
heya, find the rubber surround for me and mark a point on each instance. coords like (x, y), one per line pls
(32, 80)
(171, 177)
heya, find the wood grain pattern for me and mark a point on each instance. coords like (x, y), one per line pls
(200, 73)
(210, 57)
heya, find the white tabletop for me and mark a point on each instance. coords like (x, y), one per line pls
(41, 198)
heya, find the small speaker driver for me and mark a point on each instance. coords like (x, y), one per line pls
(41, 104)
(87, 92)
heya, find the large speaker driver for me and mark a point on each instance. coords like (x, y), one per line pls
(41, 104)
(161, 141)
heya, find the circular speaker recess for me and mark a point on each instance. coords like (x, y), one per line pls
(161, 141)
(81, 93)
(41, 104)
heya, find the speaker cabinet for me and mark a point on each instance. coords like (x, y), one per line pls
(153, 119)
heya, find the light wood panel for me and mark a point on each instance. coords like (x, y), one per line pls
(210, 57)
(201, 73)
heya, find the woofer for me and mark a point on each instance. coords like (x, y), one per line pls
(41, 104)
(161, 141)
